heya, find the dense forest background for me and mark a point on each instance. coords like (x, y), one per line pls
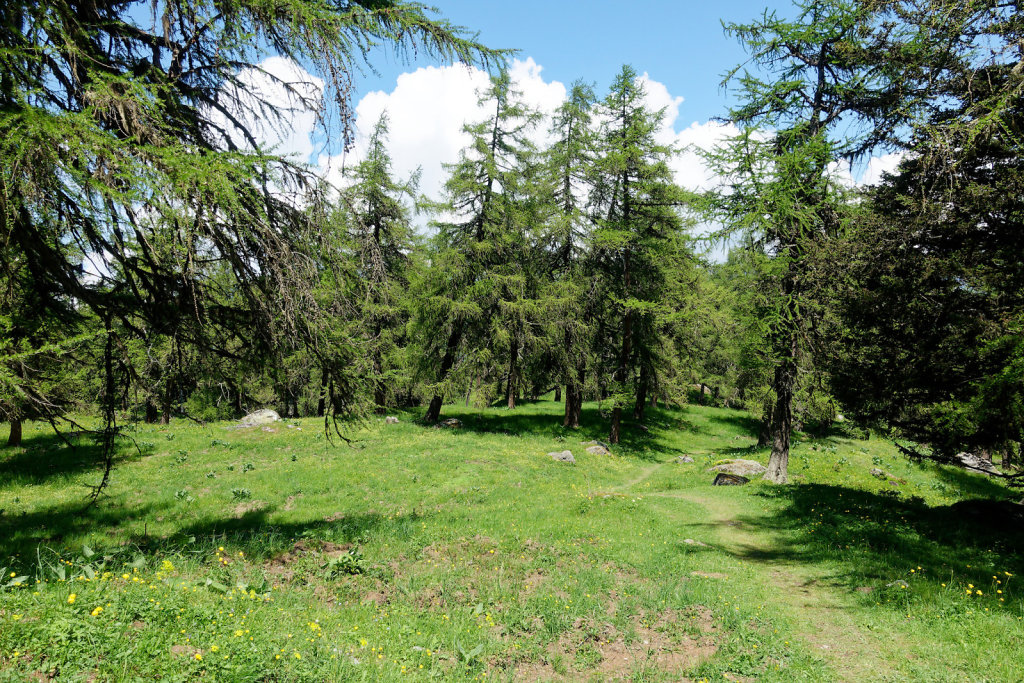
(232, 279)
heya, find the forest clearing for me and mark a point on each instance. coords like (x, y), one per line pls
(458, 553)
(359, 340)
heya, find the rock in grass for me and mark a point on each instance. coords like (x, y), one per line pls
(390, 420)
(976, 463)
(261, 417)
(563, 456)
(725, 479)
(741, 468)
(880, 474)
(597, 448)
(450, 423)
(684, 459)
(690, 541)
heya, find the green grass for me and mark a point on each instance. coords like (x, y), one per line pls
(469, 554)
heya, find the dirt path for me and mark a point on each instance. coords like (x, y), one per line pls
(823, 616)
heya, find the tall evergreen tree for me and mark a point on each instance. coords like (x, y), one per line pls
(117, 133)
(934, 301)
(478, 289)
(570, 163)
(637, 236)
(383, 243)
(827, 94)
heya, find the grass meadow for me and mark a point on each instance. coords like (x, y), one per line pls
(469, 554)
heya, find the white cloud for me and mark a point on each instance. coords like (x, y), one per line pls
(877, 166)
(281, 84)
(428, 108)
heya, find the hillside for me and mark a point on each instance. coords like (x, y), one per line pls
(468, 553)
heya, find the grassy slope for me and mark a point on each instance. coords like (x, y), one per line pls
(483, 558)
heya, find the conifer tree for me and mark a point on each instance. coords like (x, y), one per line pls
(383, 244)
(822, 69)
(637, 235)
(570, 163)
(117, 132)
(478, 291)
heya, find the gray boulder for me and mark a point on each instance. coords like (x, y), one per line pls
(684, 459)
(390, 420)
(261, 417)
(563, 456)
(725, 479)
(450, 423)
(975, 462)
(598, 450)
(741, 468)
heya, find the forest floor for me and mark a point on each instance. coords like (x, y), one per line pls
(469, 554)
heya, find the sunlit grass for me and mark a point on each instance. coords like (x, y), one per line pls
(461, 554)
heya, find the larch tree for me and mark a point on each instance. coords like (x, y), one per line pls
(127, 124)
(832, 88)
(377, 210)
(933, 301)
(477, 289)
(637, 234)
(570, 164)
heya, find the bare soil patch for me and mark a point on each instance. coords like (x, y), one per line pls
(658, 644)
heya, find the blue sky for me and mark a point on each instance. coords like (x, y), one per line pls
(681, 48)
(680, 44)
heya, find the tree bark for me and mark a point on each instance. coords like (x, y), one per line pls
(574, 397)
(165, 417)
(152, 412)
(782, 416)
(15, 437)
(641, 395)
(570, 402)
(512, 374)
(447, 361)
(558, 393)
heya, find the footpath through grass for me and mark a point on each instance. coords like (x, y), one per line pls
(458, 554)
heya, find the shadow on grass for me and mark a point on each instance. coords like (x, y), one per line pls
(640, 440)
(875, 538)
(44, 456)
(65, 529)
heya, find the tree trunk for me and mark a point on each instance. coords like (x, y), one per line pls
(433, 410)
(152, 412)
(512, 384)
(627, 340)
(641, 395)
(15, 438)
(165, 417)
(558, 393)
(321, 405)
(616, 420)
(764, 436)
(570, 403)
(447, 361)
(782, 416)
